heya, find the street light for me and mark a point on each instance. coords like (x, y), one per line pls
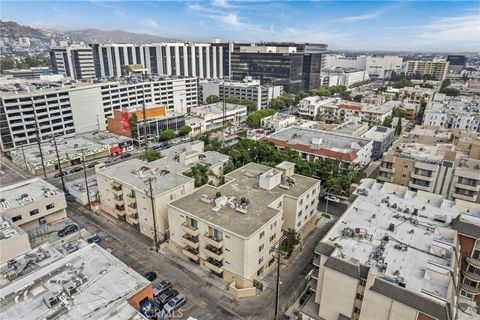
(326, 198)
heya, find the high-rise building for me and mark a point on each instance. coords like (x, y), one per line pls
(435, 69)
(457, 62)
(75, 61)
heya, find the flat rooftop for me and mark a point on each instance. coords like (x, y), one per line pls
(25, 192)
(423, 152)
(241, 183)
(328, 140)
(98, 285)
(70, 148)
(378, 133)
(400, 234)
(104, 137)
(215, 108)
(8, 229)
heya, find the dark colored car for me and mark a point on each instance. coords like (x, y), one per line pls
(71, 228)
(92, 164)
(94, 239)
(76, 169)
(166, 296)
(58, 174)
(150, 276)
(126, 155)
(111, 159)
(161, 287)
(304, 298)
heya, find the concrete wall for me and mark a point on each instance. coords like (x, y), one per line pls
(13, 247)
(338, 295)
(86, 106)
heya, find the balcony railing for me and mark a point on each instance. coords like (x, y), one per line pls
(470, 289)
(469, 186)
(118, 200)
(473, 262)
(420, 177)
(471, 275)
(414, 185)
(191, 253)
(187, 228)
(472, 197)
(191, 241)
(217, 243)
(214, 266)
(213, 252)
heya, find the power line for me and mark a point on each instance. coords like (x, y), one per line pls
(86, 180)
(149, 180)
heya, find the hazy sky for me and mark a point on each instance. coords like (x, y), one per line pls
(383, 25)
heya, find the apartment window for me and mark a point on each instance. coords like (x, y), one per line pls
(50, 206)
(279, 204)
(273, 225)
(260, 260)
(35, 211)
(173, 196)
(273, 237)
(299, 213)
(17, 218)
(356, 310)
(363, 282)
(261, 248)
(262, 234)
(359, 296)
(301, 201)
(299, 223)
(466, 294)
(476, 254)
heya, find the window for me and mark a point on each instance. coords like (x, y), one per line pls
(279, 204)
(363, 282)
(16, 218)
(273, 237)
(273, 225)
(172, 196)
(299, 213)
(260, 248)
(466, 294)
(301, 201)
(356, 310)
(262, 234)
(299, 223)
(260, 260)
(359, 296)
(35, 211)
(49, 206)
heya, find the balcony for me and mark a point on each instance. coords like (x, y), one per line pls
(214, 253)
(130, 195)
(316, 260)
(385, 169)
(473, 262)
(413, 175)
(383, 178)
(470, 289)
(461, 185)
(191, 241)
(418, 186)
(471, 275)
(313, 284)
(191, 253)
(187, 228)
(120, 210)
(118, 200)
(472, 198)
(133, 218)
(215, 266)
(217, 243)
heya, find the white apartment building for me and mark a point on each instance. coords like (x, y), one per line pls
(278, 121)
(392, 255)
(202, 60)
(436, 68)
(213, 114)
(453, 112)
(337, 110)
(75, 61)
(232, 230)
(79, 107)
(32, 203)
(377, 67)
(247, 89)
(343, 77)
(125, 191)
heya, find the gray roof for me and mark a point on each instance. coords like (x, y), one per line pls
(414, 300)
(343, 266)
(323, 248)
(466, 228)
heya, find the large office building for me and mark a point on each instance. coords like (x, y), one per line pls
(436, 69)
(124, 188)
(74, 61)
(69, 108)
(262, 95)
(392, 255)
(346, 77)
(32, 203)
(457, 62)
(377, 67)
(232, 230)
(312, 144)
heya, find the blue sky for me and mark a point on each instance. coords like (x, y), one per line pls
(355, 25)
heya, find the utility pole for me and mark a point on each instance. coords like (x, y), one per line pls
(280, 253)
(37, 133)
(86, 180)
(224, 106)
(145, 124)
(149, 180)
(98, 123)
(24, 158)
(59, 164)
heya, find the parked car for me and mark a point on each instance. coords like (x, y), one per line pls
(76, 169)
(58, 174)
(94, 239)
(161, 287)
(150, 276)
(304, 298)
(126, 155)
(332, 199)
(175, 303)
(163, 298)
(111, 159)
(71, 228)
(92, 164)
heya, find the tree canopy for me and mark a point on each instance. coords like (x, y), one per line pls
(184, 130)
(232, 99)
(167, 134)
(213, 99)
(254, 118)
(151, 155)
(277, 103)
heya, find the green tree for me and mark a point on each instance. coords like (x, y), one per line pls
(213, 99)
(151, 155)
(249, 103)
(301, 95)
(345, 95)
(133, 123)
(387, 122)
(322, 91)
(200, 173)
(254, 118)
(291, 240)
(399, 112)
(358, 98)
(421, 111)
(184, 130)
(232, 99)
(288, 99)
(337, 89)
(277, 103)
(445, 84)
(449, 91)
(167, 134)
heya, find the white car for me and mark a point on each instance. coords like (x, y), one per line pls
(332, 199)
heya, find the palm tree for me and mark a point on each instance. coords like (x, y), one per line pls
(200, 173)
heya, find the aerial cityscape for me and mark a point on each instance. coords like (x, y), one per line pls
(240, 159)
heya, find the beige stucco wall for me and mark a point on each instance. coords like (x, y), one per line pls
(13, 247)
(338, 294)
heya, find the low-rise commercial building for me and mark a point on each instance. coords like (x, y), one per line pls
(278, 121)
(382, 140)
(125, 193)
(13, 240)
(392, 255)
(262, 95)
(88, 283)
(343, 77)
(219, 114)
(232, 230)
(436, 69)
(32, 203)
(32, 73)
(314, 145)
